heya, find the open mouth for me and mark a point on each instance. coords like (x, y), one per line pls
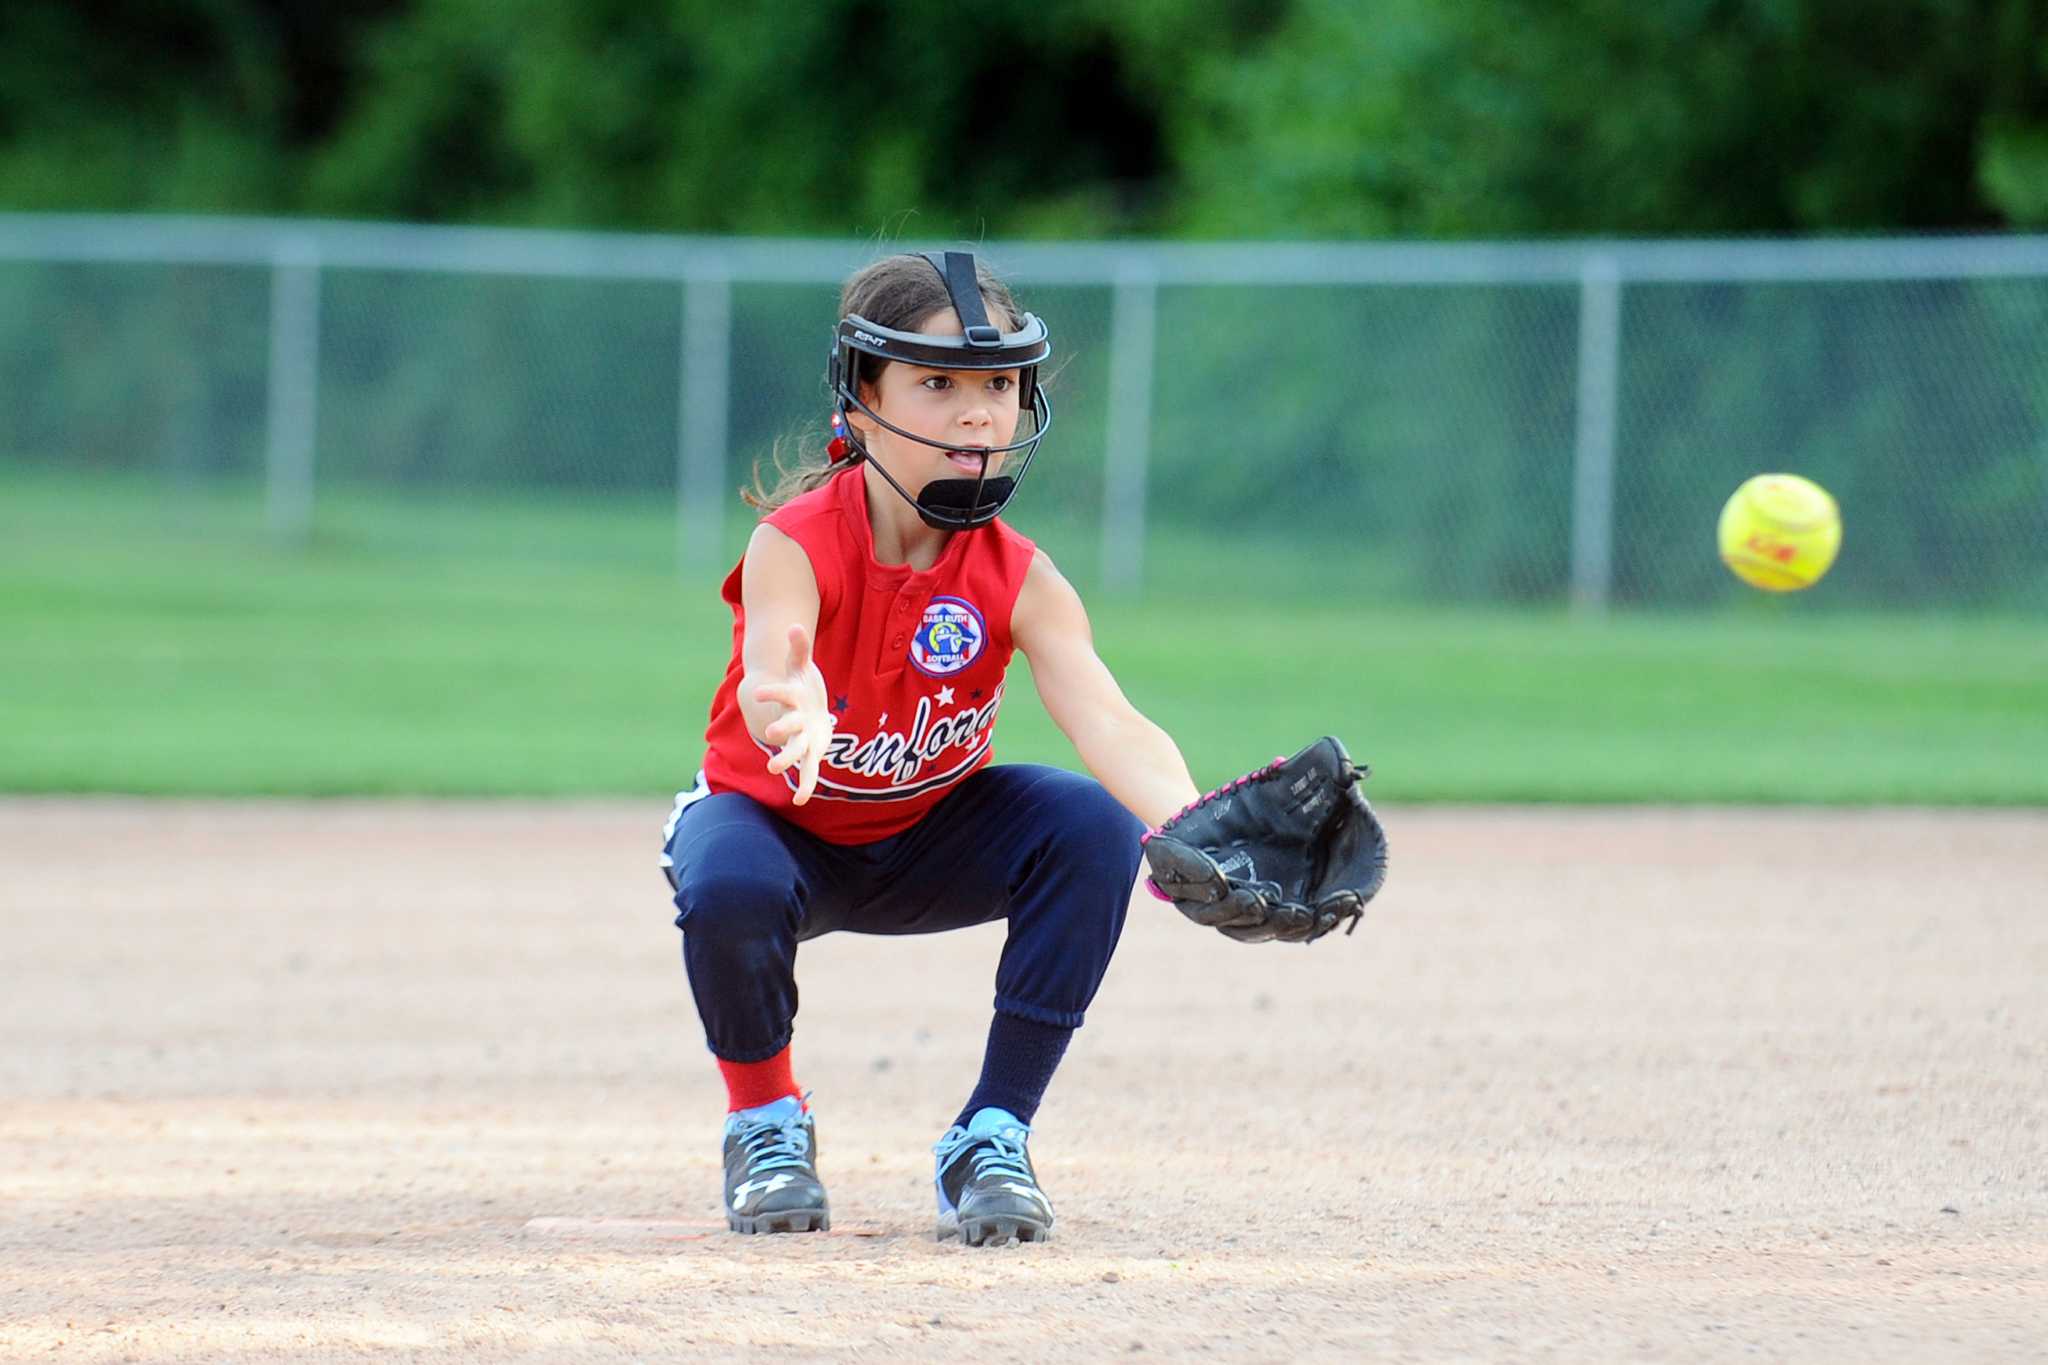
(968, 462)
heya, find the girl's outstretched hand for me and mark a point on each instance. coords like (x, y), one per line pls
(805, 726)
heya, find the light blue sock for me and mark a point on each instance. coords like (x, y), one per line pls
(775, 1111)
(991, 1121)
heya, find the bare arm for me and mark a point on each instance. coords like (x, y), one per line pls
(782, 693)
(1136, 760)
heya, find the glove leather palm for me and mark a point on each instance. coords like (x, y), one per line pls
(1286, 853)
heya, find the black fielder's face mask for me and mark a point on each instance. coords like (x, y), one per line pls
(947, 504)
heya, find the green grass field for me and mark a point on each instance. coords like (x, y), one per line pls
(154, 642)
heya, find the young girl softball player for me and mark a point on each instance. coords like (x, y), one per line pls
(846, 781)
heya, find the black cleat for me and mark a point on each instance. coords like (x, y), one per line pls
(771, 1171)
(988, 1193)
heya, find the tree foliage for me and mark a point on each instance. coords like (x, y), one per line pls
(1245, 118)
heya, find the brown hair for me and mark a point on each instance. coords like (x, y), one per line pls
(897, 292)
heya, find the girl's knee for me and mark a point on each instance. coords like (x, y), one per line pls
(735, 902)
(1088, 823)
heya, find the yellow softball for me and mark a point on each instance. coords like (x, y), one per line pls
(1780, 532)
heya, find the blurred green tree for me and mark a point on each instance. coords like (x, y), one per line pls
(821, 116)
(1440, 118)
(140, 105)
(1242, 118)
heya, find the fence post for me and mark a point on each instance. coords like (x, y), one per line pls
(701, 418)
(1593, 450)
(293, 400)
(1133, 339)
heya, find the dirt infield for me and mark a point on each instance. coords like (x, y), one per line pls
(304, 1081)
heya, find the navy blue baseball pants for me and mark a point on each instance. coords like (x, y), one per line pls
(1051, 851)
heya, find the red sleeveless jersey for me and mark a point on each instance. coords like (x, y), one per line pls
(913, 663)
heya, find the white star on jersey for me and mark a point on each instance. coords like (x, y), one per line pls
(945, 696)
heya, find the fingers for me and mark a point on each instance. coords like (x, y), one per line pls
(787, 694)
(783, 759)
(804, 753)
(805, 727)
(807, 776)
(803, 742)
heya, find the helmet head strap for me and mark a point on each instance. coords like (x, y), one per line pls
(956, 268)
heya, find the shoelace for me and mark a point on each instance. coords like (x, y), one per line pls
(1000, 1155)
(776, 1146)
(1207, 797)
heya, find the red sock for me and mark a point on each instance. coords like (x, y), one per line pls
(752, 1083)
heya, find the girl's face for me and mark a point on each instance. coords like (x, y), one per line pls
(965, 411)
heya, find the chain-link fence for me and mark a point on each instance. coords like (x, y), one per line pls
(1474, 423)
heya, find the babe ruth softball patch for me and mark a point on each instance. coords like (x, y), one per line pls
(952, 636)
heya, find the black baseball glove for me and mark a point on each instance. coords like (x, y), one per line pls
(1288, 852)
